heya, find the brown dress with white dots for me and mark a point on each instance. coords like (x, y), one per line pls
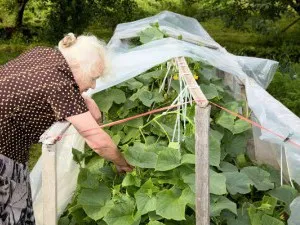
(36, 89)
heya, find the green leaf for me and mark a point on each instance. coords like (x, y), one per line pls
(106, 98)
(227, 167)
(188, 159)
(122, 213)
(145, 200)
(214, 150)
(155, 223)
(87, 180)
(131, 134)
(268, 205)
(131, 180)
(146, 98)
(78, 156)
(225, 119)
(148, 77)
(137, 156)
(259, 177)
(138, 122)
(236, 144)
(95, 164)
(189, 143)
(266, 219)
(218, 135)
(189, 179)
(93, 201)
(188, 196)
(241, 219)
(168, 159)
(217, 183)
(149, 97)
(220, 204)
(170, 205)
(240, 126)
(132, 84)
(153, 216)
(237, 182)
(255, 215)
(63, 220)
(285, 194)
(209, 91)
(78, 216)
(174, 145)
(150, 34)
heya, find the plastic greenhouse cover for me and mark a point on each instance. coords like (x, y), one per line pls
(128, 62)
(295, 209)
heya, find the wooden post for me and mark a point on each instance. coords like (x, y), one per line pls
(49, 180)
(201, 145)
(49, 184)
(202, 165)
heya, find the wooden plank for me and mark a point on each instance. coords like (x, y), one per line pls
(53, 133)
(49, 184)
(192, 85)
(202, 165)
(202, 119)
(49, 176)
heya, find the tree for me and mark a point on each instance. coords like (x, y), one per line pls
(20, 12)
(112, 12)
(258, 12)
(68, 16)
(12, 13)
(11, 17)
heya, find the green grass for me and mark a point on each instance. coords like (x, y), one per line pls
(8, 51)
(34, 154)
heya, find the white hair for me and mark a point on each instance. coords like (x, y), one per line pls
(84, 53)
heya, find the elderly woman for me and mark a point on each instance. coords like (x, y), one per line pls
(40, 87)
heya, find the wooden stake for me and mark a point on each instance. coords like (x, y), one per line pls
(49, 184)
(202, 165)
(202, 117)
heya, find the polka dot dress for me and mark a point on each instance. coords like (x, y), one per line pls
(36, 89)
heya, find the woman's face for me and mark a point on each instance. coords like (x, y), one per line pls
(87, 81)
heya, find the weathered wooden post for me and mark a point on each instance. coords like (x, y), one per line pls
(202, 144)
(49, 178)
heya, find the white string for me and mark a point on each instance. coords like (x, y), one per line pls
(162, 86)
(281, 165)
(288, 168)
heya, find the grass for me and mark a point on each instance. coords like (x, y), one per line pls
(34, 154)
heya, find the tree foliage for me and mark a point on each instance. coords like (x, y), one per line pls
(258, 13)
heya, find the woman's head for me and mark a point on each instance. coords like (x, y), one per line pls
(87, 58)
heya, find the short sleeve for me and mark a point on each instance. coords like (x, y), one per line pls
(67, 101)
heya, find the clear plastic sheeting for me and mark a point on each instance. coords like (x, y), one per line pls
(67, 172)
(273, 115)
(295, 209)
(254, 73)
(135, 61)
(174, 24)
(262, 70)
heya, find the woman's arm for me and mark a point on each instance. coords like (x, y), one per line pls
(93, 108)
(99, 140)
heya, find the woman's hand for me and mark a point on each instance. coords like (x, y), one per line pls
(99, 140)
(122, 165)
(93, 108)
